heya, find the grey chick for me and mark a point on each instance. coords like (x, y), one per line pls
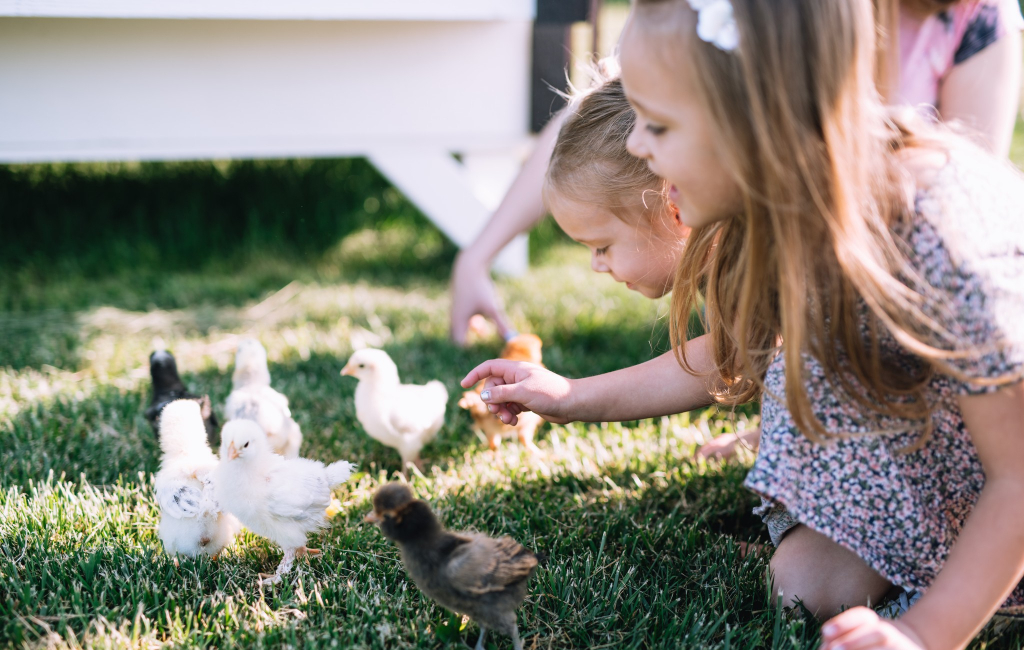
(467, 573)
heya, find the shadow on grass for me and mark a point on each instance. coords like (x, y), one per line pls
(104, 433)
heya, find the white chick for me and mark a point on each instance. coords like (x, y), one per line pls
(403, 416)
(191, 521)
(252, 398)
(282, 499)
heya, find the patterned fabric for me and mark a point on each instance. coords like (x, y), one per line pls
(982, 31)
(902, 512)
(930, 48)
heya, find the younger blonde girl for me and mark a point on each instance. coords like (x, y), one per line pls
(863, 275)
(608, 200)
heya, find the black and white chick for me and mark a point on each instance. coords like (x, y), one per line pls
(252, 398)
(467, 573)
(167, 387)
(191, 520)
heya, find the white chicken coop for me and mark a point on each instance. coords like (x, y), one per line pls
(405, 83)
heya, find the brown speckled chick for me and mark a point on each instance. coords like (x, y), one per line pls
(467, 573)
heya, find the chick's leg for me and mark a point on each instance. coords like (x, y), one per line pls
(516, 641)
(480, 641)
(526, 439)
(410, 457)
(284, 567)
(303, 551)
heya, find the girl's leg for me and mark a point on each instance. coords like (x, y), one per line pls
(826, 577)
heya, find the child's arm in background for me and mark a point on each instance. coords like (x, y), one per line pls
(520, 209)
(651, 389)
(983, 92)
(988, 560)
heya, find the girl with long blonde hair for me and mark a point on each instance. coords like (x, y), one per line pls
(862, 274)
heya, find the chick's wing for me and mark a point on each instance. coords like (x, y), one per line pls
(179, 500)
(417, 408)
(486, 565)
(298, 493)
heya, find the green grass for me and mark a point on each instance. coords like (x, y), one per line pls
(642, 540)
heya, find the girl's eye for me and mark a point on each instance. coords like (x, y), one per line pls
(601, 251)
(654, 129)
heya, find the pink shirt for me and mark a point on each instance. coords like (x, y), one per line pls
(930, 48)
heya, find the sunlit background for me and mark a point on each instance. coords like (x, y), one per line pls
(102, 263)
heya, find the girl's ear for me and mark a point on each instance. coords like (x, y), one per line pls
(672, 208)
(677, 221)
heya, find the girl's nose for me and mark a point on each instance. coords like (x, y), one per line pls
(597, 264)
(635, 144)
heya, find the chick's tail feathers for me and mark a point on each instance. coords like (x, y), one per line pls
(438, 389)
(339, 472)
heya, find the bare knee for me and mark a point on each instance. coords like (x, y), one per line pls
(810, 568)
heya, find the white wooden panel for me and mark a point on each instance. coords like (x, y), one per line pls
(81, 88)
(406, 93)
(276, 9)
(441, 188)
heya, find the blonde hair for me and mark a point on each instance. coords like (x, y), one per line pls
(813, 151)
(590, 162)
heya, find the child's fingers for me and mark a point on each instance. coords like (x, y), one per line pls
(507, 416)
(861, 629)
(502, 393)
(879, 635)
(502, 368)
(489, 382)
(859, 639)
(847, 621)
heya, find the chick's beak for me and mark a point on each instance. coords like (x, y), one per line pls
(348, 370)
(232, 451)
(372, 517)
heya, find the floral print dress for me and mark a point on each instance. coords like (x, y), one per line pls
(902, 512)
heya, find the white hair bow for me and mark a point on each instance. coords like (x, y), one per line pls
(715, 23)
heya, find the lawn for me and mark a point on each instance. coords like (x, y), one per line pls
(102, 263)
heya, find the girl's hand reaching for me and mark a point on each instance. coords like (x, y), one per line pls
(512, 387)
(862, 629)
(473, 293)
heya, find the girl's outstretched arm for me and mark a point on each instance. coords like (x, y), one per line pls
(651, 389)
(523, 206)
(988, 560)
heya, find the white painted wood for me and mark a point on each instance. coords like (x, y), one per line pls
(440, 187)
(432, 180)
(96, 89)
(490, 172)
(83, 88)
(514, 259)
(275, 9)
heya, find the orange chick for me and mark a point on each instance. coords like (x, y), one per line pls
(522, 347)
